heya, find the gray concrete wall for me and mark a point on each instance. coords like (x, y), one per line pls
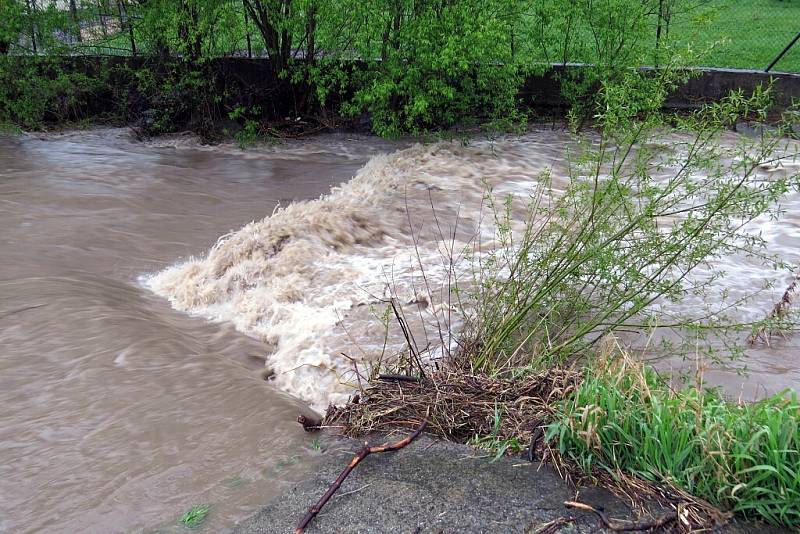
(714, 84)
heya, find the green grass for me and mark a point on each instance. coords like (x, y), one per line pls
(195, 516)
(740, 457)
(751, 33)
(493, 444)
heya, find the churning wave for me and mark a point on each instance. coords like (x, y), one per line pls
(312, 279)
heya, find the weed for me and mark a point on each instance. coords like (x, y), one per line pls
(195, 516)
(740, 457)
(493, 443)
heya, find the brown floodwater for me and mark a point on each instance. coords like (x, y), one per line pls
(118, 413)
(145, 288)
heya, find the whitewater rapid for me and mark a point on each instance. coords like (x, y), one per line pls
(313, 280)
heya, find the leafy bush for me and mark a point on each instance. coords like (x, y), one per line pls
(635, 219)
(38, 90)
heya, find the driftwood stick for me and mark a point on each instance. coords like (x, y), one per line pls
(310, 423)
(362, 453)
(619, 526)
(398, 378)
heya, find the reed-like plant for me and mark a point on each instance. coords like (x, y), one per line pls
(742, 457)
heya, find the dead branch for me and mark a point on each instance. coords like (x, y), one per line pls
(779, 311)
(398, 378)
(410, 342)
(362, 453)
(310, 424)
(620, 526)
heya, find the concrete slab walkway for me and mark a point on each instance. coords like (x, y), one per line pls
(433, 486)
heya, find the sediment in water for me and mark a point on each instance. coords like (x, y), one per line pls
(310, 279)
(313, 279)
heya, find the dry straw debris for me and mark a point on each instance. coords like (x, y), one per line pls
(462, 405)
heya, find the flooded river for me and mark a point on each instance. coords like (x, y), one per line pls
(133, 348)
(116, 412)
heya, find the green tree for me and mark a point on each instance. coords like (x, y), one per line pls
(11, 14)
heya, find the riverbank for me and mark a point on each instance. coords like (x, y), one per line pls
(241, 99)
(434, 486)
(391, 246)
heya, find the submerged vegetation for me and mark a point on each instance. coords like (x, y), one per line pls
(195, 516)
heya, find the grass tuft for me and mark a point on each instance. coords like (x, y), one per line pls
(741, 457)
(195, 516)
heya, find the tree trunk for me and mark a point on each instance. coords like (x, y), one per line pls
(73, 14)
(268, 21)
(188, 31)
(125, 22)
(31, 5)
(247, 31)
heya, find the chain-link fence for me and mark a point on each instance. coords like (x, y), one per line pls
(122, 27)
(743, 34)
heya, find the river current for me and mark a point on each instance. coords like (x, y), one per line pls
(147, 289)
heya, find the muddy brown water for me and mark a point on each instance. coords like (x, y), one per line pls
(132, 346)
(116, 412)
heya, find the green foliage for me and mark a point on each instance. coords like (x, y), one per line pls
(633, 221)
(440, 64)
(38, 90)
(195, 516)
(250, 129)
(412, 65)
(740, 457)
(493, 443)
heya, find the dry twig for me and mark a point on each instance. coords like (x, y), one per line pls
(362, 453)
(779, 312)
(623, 526)
(553, 526)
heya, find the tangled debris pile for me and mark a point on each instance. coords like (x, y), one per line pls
(462, 405)
(459, 405)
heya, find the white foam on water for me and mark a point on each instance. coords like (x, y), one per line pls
(309, 279)
(312, 279)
